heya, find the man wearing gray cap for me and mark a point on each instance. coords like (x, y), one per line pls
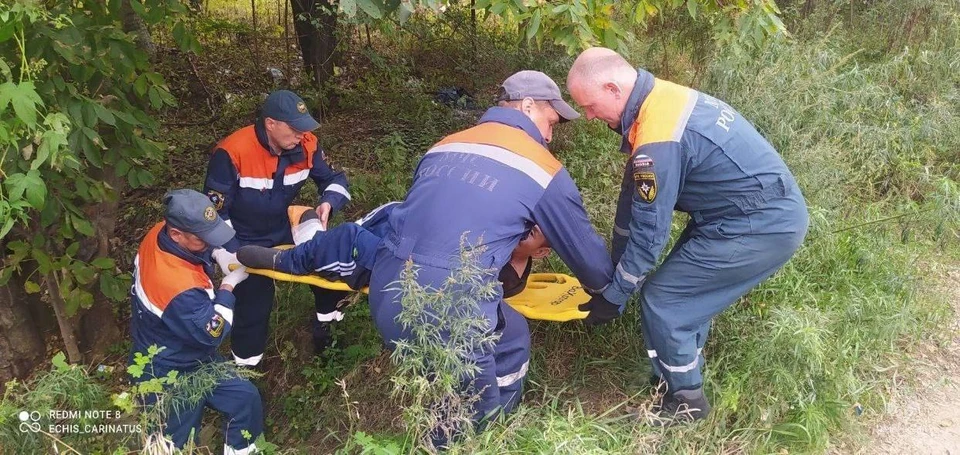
(488, 186)
(253, 176)
(175, 306)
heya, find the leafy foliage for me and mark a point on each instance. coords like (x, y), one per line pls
(577, 24)
(446, 334)
(75, 125)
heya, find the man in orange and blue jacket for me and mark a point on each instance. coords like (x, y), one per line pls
(252, 178)
(174, 306)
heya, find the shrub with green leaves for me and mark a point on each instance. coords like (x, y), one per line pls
(435, 370)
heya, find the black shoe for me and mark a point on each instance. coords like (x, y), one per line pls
(259, 257)
(322, 337)
(682, 406)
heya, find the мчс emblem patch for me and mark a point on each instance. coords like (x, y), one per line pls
(646, 183)
(644, 178)
(215, 326)
(217, 198)
(209, 214)
(301, 108)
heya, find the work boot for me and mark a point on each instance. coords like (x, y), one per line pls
(322, 337)
(682, 406)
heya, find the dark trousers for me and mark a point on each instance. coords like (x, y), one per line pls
(251, 315)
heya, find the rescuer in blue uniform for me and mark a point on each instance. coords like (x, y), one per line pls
(691, 152)
(174, 306)
(490, 185)
(252, 178)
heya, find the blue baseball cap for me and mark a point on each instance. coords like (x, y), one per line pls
(191, 211)
(287, 107)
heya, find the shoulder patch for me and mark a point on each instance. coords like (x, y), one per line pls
(215, 326)
(216, 198)
(644, 178)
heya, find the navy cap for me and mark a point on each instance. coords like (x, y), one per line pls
(191, 211)
(287, 107)
(537, 86)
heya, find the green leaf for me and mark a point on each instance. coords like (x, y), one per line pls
(6, 92)
(43, 261)
(83, 274)
(24, 100)
(349, 7)
(31, 287)
(138, 8)
(27, 186)
(534, 25)
(7, 226)
(102, 263)
(155, 100)
(82, 226)
(692, 8)
(404, 12)
(72, 249)
(178, 33)
(105, 115)
(140, 85)
(60, 362)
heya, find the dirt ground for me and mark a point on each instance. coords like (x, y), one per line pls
(925, 419)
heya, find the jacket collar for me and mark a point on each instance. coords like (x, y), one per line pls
(641, 89)
(512, 117)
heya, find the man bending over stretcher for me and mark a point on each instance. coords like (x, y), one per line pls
(347, 252)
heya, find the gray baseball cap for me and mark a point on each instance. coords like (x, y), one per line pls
(539, 87)
(192, 211)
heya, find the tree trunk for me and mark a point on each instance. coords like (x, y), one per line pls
(98, 328)
(317, 44)
(21, 342)
(132, 23)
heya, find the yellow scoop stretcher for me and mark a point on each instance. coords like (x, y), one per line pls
(547, 296)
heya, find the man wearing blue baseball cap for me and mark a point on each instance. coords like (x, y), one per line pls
(252, 178)
(174, 306)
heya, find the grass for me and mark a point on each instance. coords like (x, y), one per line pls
(801, 364)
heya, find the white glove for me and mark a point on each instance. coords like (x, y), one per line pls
(224, 258)
(235, 277)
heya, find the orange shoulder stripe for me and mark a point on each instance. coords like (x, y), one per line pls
(161, 276)
(508, 138)
(663, 115)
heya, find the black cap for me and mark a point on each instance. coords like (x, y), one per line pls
(287, 107)
(191, 211)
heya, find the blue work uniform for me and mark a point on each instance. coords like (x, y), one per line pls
(347, 253)
(488, 185)
(251, 188)
(344, 253)
(692, 152)
(174, 306)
